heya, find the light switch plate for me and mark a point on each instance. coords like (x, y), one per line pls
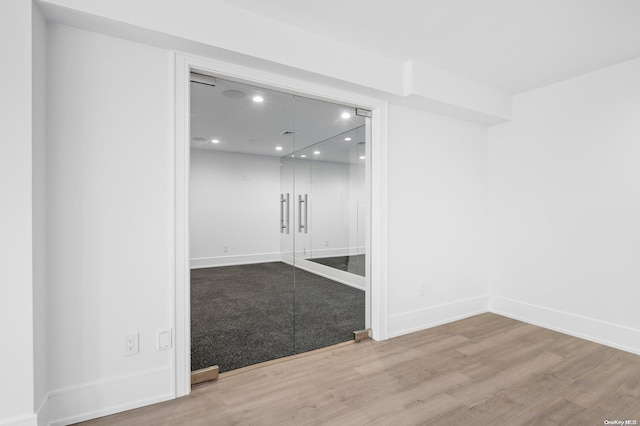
(164, 339)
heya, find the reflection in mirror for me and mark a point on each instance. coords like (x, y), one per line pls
(332, 172)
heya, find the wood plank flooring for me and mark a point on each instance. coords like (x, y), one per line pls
(485, 370)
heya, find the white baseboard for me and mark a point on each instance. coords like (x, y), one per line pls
(43, 411)
(331, 252)
(409, 322)
(343, 277)
(243, 259)
(324, 271)
(108, 396)
(27, 420)
(605, 333)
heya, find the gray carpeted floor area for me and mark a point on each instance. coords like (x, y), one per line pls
(354, 264)
(243, 315)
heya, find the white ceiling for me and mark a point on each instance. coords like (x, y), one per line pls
(244, 126)
(515, 45)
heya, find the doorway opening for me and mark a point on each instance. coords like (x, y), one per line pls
(279, 223)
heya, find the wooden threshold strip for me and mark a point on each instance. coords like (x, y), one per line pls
(361, 335)
(284, 359)
(205, 375)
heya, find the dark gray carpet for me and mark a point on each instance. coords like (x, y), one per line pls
(354, 264)
(243, 315)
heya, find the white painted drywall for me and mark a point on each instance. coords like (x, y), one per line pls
(456, 90)
(564, 206)
(185, 25)
(359, 203)
(233, 202)
(437, 219)
(333, 209)
(191, 20)
(39, 196)
(327, 186)
(110, 221)
(16, 244)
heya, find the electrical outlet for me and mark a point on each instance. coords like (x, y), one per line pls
(326, 243)
(225, 248)
(130, 344)
(423, 290)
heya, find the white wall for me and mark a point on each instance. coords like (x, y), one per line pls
(234, 201)
(329, 188)
(330, 205)
(564, 207)
(185, 25)
(437, 219)
(16, 274)
(359, 205)
(110, 222)
(39, 196)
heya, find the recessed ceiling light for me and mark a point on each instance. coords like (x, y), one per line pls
(303, 156)
(278, 148)
(362, 157)
(234, 94)
(347, 139)
(258, 99)
(316, 152)
(215, 141)
(345, 115)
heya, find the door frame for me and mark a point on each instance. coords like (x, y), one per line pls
(181, 309)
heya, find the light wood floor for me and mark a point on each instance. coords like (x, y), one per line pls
(485, 370)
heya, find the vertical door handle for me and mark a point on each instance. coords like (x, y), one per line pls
(300, 225)
(287, 213)
(306, 214)
(303, 225)
(284, 213)
(281, 213)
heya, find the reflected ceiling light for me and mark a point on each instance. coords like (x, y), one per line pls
(292, 155)
(258, 99)
(215, 141)
(278, 148)
(362, 157)
(347, 139)
(303, 156)
(234, 94)
(316, 152)
(345, 115)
